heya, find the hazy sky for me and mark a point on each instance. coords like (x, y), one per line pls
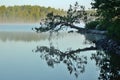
(64, 4)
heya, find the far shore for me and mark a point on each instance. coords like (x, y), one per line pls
(14, 23)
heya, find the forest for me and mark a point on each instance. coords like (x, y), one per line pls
(26, 13)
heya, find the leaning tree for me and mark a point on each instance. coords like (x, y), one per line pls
(53, 22)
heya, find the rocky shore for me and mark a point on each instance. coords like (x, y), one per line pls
(108, 45)
(102, 41)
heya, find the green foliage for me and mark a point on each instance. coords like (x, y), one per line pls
(108, 12)
(91, 25)
(114, 30)
(56, 22)
(107, 9)
(99, 25)
(26, 13)
(76, 13)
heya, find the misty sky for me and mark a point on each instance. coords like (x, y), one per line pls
(63, 4)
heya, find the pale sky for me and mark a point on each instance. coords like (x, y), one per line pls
(63, 4)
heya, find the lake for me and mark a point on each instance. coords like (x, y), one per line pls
(27, 55)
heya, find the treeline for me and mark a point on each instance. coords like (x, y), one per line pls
(25, 13)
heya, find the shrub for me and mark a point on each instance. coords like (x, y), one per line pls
(101, 27)
(91, 25)
(114, 30)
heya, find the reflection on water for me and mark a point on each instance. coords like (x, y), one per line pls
(109, 64)
(22, 36)
(75, 63)
(26, 36)
(69, 56)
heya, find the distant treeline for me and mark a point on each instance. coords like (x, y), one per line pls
(26, 13)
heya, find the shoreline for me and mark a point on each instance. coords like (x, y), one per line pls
(108, 45)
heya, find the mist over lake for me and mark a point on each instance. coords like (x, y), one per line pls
(27, 55)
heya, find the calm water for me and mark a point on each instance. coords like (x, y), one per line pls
(26, 55)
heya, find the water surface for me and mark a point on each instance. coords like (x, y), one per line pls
(26, 55)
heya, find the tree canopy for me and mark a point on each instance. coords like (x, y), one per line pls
(109, 15)
(107, 7)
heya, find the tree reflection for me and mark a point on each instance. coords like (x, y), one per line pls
(109, 64)
(74, 63)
